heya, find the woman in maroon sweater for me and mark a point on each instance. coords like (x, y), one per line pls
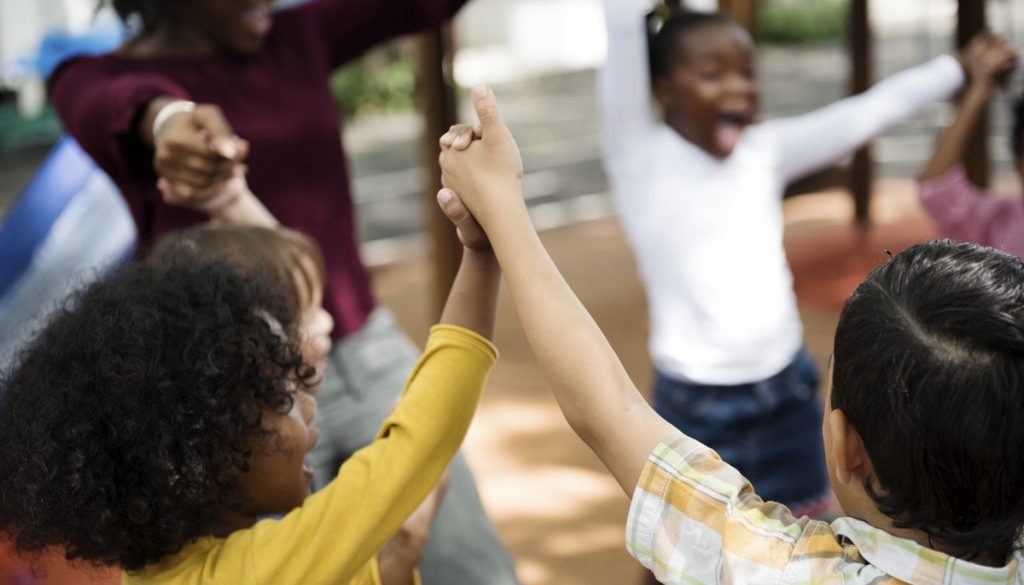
(208, 88)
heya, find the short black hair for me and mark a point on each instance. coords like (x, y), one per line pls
(126, 423)
(929, 368)
(665, 28)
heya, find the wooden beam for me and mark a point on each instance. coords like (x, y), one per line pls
(437, 93)
(744, 12)
(862, 172)
(971, 20)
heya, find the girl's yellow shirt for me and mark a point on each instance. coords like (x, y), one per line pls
(336, 535)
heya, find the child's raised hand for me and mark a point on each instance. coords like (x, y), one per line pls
(460, 136)
(487, 174)
(989, 58)
(470, 233)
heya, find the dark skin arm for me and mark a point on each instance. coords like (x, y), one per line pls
(988, 59)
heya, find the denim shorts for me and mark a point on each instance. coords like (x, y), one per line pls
(770, 430)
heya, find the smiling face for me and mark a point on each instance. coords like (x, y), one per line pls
(710, 93)
(235, 26)
(279, 479)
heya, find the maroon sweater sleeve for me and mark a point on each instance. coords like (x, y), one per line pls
(100, 106)
(350, 27)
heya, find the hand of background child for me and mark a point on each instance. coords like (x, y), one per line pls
(235, 205)
(988, 59)
(402, 554)
(488, 173)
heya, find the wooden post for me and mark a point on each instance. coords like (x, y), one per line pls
(744, 12)
(862, 167)
(970, 20)
(437, 91)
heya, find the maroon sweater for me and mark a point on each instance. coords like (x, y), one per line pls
(278, 99)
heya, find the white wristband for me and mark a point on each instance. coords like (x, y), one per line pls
(169, 111)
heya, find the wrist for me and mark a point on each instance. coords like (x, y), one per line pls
(979, 92)
(481, 259)
(168, 111)
(505, 205)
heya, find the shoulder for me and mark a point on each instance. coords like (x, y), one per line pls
(95, 64)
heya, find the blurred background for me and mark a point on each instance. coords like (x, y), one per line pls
(541, 55)
(555, 507)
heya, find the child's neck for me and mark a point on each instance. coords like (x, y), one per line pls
(689, 131)
(172, 39)
(874, 517)
(227, 521)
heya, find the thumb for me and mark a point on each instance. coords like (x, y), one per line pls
(487, 111)
(222, 138)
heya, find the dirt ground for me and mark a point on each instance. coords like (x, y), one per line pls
(556, 508)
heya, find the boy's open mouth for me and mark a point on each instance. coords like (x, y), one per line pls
(729, 129)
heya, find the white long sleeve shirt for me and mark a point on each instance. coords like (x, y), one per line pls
(707, 233)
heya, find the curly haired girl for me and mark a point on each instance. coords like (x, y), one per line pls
(164, 411)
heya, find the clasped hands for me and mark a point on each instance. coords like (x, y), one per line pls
(481, 171)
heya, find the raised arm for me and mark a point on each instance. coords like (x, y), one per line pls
(116, 116)
(624, 83)
(812, 141)
(988, 59)
(104, 111)
(337, 530)
(589, 382)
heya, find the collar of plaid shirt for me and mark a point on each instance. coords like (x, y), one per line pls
(908, 561)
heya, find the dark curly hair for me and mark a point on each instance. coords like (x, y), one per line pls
(127, 422)
(929, 368)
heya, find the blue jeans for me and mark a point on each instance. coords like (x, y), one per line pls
(769, 430)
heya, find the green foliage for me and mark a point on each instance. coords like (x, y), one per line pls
(802, 21)
(17, 132)
(375, 85)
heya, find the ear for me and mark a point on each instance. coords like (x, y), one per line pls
(661, 94)
(848, 454)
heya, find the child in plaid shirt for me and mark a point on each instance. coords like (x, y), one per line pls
(922, 440)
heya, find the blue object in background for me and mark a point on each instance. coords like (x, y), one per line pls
(67, 228)
(59, 46)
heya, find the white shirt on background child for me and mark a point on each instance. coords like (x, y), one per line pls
(707, 232)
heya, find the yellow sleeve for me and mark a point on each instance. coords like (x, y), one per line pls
(342, 527)
(369, 574)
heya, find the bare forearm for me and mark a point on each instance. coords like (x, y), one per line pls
(591, 385)
(474, 294)
(246, 210)
(949, 150)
